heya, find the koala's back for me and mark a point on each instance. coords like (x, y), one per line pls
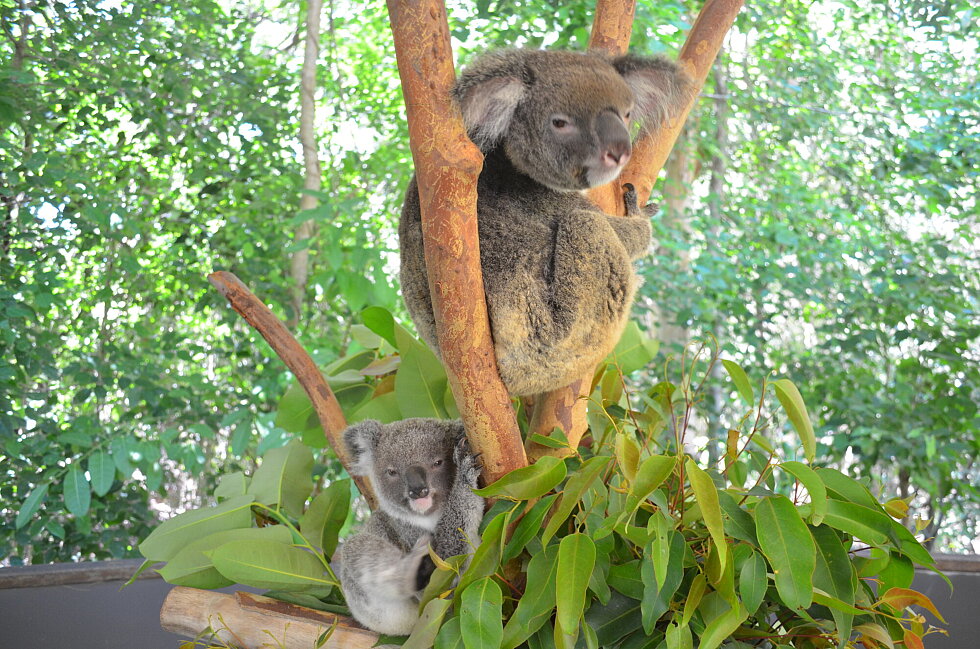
(553, 315)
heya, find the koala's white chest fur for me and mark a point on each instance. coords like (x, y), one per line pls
(427, 522)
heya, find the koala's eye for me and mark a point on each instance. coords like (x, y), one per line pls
(562, 124)
(626, 117)
(391, 473)
(437, 463)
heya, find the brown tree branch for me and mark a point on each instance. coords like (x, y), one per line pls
(612, 26)
(697, 56)
(254, 622)
(447, 166)
(566, 407)
(299, 363)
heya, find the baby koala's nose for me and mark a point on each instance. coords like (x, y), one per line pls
(415, 481)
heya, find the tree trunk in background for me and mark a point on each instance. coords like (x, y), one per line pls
(716, 198)
(299, 262)
(672, 335)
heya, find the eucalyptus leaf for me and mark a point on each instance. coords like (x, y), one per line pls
(528, 482)
(31, 504)
(420, 382)
(76, 491)
(538, 603)
(480, 621)
(102, 471)
(572, 494)
(173, 534)
(789, 547)
(576, 559)
(814, 486)
(322, 520)
(269, 564)
(193, 568)
(529, 527)
(427, 628)
(283, 479)
(741, 381)
(792, 402)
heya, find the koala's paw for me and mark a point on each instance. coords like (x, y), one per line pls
(468, 465)
(417, 565)
(629, 198)
(632, 206)
(650, 210)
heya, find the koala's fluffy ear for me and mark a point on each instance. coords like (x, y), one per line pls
(361, 438)
(488, 92)
(660, 86)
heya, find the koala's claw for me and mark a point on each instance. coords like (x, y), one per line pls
(650, 209)
(632, 203)
(468, 466)
(629, 198)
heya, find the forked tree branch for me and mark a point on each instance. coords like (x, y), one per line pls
(299, 363)
(698, 54)
(447, 166)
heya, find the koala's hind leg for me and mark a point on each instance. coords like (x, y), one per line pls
(379, 582)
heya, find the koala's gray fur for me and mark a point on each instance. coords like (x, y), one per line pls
(413, 465)
(557, 270)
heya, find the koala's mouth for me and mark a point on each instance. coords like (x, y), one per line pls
(421, 505)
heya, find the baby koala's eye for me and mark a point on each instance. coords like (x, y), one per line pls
(559, 123)
(626, 117)
(437, 463)
(391, 472)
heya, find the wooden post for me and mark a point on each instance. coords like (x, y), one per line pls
(447, 166)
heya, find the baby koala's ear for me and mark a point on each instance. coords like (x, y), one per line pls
(361, 440)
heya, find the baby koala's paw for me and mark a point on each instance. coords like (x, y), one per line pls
(417, 567)
(468, 465)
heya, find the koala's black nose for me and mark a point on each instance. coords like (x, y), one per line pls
(418, 486)
(615, 154)
(614, 140)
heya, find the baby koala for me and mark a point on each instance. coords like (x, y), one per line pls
(423, 474)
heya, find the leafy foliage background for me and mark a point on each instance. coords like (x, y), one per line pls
(145, 145)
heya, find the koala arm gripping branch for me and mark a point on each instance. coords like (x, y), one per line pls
(633, 229)
(634, 232)
(459, 524)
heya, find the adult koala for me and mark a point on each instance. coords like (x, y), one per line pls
(556, 269)
(423, 474)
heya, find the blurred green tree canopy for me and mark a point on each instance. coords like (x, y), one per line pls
(829, 230)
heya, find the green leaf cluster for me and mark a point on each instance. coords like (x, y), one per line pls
(632, 543)
(264, 532)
